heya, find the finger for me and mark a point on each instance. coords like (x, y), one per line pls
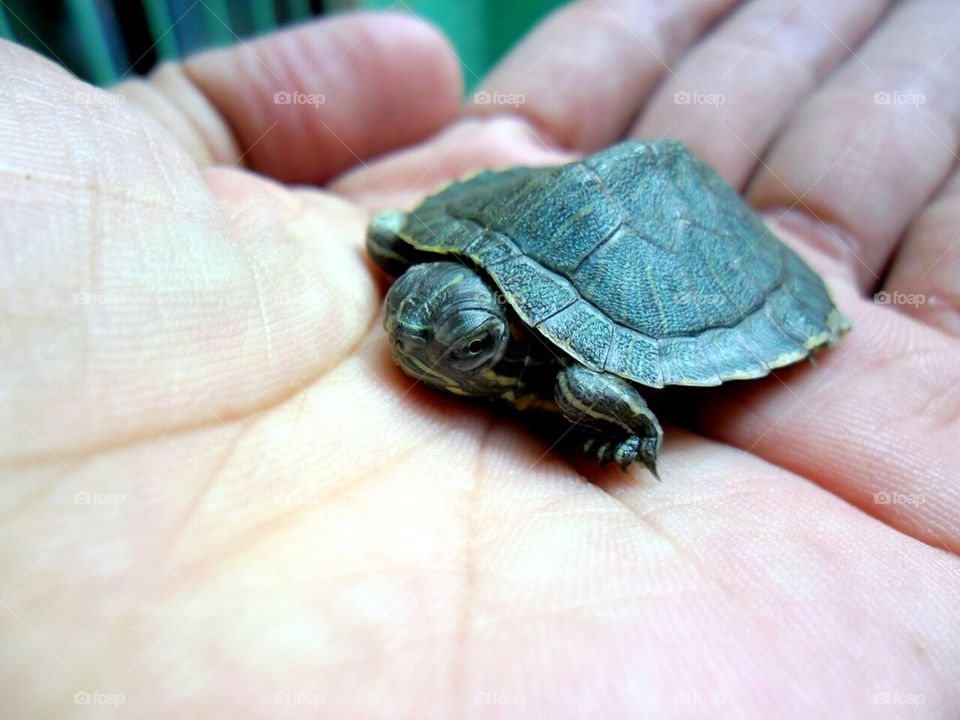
(923, 280)
(875, 420)
(759, 539)
(304, 104)
(866, 151)
(731, 94)
(582, 74)
(401, 179)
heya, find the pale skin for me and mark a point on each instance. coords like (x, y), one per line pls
(218, 489)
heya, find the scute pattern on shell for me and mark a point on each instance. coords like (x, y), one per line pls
(638, 260)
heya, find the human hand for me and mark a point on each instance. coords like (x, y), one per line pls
(220, 492)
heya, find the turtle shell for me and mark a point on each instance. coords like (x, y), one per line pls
(638, 260)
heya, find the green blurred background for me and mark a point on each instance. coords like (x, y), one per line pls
(104, 40)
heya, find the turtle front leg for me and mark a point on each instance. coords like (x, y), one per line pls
(623, 427)
(384, 245)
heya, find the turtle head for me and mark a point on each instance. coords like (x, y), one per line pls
(447, 327)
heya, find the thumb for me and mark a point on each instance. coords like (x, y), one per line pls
(307, 103)
(141, 295)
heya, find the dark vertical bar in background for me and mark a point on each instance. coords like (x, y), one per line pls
(135, 32)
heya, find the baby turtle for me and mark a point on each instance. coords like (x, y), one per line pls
(573, 288)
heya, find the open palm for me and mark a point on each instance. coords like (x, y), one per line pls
(221, 499)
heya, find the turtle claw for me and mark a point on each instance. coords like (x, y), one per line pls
(604, 455)
(627, 451)
(652, 467)
(623, 453)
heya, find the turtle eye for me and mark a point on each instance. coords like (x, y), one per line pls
(468, 344)
(478, 345)
(474, 347)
